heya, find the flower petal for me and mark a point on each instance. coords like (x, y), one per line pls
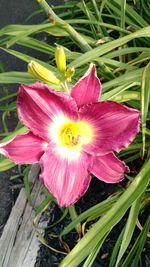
(24, 149)
(109, 168)
(38, 105)
(88, 88)
(114, 126)
(67, 180)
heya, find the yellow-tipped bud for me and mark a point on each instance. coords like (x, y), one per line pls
(70, 73)
(60, 58)
(42, 74)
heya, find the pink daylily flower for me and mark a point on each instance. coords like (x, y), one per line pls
(72, 136)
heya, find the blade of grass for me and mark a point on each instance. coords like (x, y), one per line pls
(99, 19)
(91, 258)
(126, 51)
(129, 228)
(127, 96)
(74, 35)
(124, 79)
(137, 245)
(142, 243)
(28, 58)
(123, 13)
(16, 77)
(4, 98)
(102, 24)
(37, 44)
(89, 16)
(145, 98)
(98, 231)
(118, 92)
(22, 130)
(6, 164)
(115, 250)
(100, 208)
(105, 48)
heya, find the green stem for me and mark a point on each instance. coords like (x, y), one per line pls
(64, 86)
(74, 215)
(4, 115)
(74, 35)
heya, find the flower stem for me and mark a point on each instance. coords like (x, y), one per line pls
(78, 39)
(74, 215)
(64, 86)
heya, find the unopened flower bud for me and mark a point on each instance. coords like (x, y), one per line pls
(42, 74)
(60, 58)
(70, 73)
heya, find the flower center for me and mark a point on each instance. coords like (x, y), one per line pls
(70, 135)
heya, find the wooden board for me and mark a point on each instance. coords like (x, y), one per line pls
(18, 243)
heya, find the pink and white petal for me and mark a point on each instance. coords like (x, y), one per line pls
(67, 180)
(38, 106)
(88, 88)
(24, 149)
(109, 168)
(114, 126)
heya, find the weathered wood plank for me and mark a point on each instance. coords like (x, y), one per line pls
(18, 243)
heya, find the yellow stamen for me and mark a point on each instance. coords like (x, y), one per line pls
(70, 136)
(75, 134)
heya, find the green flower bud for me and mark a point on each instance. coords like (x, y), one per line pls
(70, 73)
(42, 74)
(60, 58)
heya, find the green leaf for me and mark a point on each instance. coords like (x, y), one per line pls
(91, 258)
(6, 164)
(137, 247)
(27, 58)
(129, 228)
(99, 209)
(145, 98)
(115, 250)
(37, 45)
(114, 93)
(21, 130)
(105, 48)
(123, 12)
(98, 231)
(16, 77)
(44, 203)
(124, 79)
(141, 243)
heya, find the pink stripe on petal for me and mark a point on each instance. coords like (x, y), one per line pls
(67, 180)
(24, 149)
(114, 126)
(109, 168)
(88, 88)
(38, 106)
